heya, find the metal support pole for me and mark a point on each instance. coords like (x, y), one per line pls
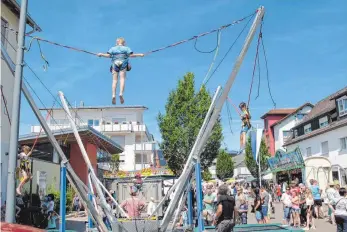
(259, 170)
(199, 202)
(74, 180)
(190, 206)
(216, 111)
(62, 198)
(13, 151)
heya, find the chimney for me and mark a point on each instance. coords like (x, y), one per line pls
(81, 104)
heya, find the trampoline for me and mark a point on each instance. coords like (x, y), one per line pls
(256, 227)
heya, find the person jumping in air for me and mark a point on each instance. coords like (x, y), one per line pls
(24, 167)
(120, 65)
(246, 124)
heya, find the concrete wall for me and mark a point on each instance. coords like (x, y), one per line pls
(336, 156)
(53, 175)
(7, 81)
(269, 137)
(287, 125)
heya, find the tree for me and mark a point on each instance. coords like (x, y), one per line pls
(185, 111)
(206, 175)
(225, 165)
(251, 163)
(114, 162)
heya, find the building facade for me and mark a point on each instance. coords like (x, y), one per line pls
(282, 128)
(122, 124)
(10, 10)
(271, 118)
(323, 133)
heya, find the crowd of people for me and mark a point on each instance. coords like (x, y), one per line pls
(302, 204)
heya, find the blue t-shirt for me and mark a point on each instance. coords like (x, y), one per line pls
(120, 53)
(315, 192)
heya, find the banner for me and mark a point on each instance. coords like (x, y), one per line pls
(42, 183)
(286, 160)
(256, 136)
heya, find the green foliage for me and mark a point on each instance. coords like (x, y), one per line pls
(206, 175)
(70, 193)
(251, 163)
(114, 162)
(225, 165)
(185, 111)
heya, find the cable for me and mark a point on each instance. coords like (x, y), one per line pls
(45, 66)
(255, 65)
(258, 64)
(232, 45)
(5, 104)
(229, 117)
(267, 70)
(215, 48)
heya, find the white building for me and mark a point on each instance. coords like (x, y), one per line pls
(9, 19)
(123, 124)
(323, 133)
(282, 128)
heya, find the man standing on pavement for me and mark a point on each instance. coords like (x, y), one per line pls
(209, 198)
(332, 194)
(286, 199)
(265, 204)
(226, 211)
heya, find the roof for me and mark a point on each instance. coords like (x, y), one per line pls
(15, 8)
(238, 159)
(331, 126)
(297, 110)
(100, 107)
(86, 133)
(283, 111)
(324, 106)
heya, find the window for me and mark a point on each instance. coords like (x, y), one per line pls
(4, 33)
(343, 142)
(308, 152)
(295, 133)
(286, 135)
(93, 122)
(266, 124)
(342, 105)
(307, 128)
(300, 116)
(323, 122)
(139, 159)
(325, 148)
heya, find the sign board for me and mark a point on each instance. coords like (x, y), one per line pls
(286, 160)
(42, 183)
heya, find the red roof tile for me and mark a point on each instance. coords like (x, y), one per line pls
(283, 111)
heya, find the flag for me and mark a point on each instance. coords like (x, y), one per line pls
(256, 136)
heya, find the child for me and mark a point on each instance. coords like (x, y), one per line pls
(243, 211)
(24, 167)
(50, 212)
(246, 124)
(120, 64)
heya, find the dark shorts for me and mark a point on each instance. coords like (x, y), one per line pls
(244, 129)
(264, 210)
(318, 202)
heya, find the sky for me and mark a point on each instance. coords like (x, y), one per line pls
(305, 43)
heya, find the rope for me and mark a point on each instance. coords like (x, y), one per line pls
(258, 78)
(200, 35)
(255, 65)
(267, 69)
(214, 58)
(229, 117)
(45, 66)
(215, 48)
(149, 52)
(37, 137)
(5, 104)
(236, 109)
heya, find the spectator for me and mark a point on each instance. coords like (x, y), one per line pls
(133, 205)
(341, 211)
(265, 196)
(309, 209)
(243, 209)
(278, 193)
(208, 200)
(316, 192)
(286, 199)
(302, 204)
(226, 211)
(295, 209)
(332, 194)
(258, 206)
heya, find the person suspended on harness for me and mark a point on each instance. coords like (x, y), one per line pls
(24, 167)
(119, 55)
(246, 124)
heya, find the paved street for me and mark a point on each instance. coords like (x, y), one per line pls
(78, 224)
